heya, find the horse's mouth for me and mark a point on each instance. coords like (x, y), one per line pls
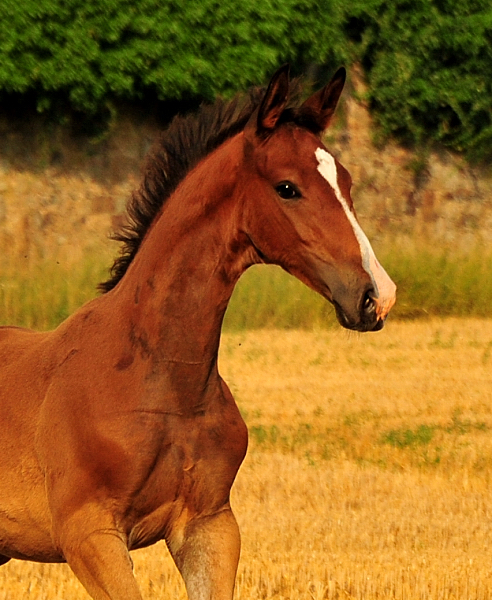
(361, 324)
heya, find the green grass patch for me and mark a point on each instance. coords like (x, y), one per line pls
(404, 438)
(439, 280)
(431, 282)
(424, 434)
(43, 295)
(431, 445)
(266, 296)
(362, 438)
(364, 441)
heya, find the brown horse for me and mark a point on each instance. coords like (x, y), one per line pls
(116, 428)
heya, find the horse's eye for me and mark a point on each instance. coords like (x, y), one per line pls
(287, 191)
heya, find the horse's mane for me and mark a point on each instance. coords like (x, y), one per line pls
(179, 148)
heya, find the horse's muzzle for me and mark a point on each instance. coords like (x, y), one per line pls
(368, 316)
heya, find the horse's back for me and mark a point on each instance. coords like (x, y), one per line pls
(22, 380)
(14, 339)
(24, 363)
(22, 358)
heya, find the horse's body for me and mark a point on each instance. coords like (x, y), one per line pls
(116, 429)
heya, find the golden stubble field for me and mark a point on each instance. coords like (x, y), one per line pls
(368, 474)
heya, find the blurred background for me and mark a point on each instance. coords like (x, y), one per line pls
(86, 86)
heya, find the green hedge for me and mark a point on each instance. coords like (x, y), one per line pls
(428, 65)
(427, 62)
(96, 50)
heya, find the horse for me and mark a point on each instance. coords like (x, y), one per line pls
(116, 428)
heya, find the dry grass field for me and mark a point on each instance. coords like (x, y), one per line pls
(368, 474)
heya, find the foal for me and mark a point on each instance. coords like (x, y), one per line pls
(116, 428)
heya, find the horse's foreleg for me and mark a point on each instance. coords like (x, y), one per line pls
(207, 556)
(102, 563)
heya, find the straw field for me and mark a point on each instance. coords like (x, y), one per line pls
(368, 473)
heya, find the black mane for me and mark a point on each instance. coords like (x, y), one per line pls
(180, 147)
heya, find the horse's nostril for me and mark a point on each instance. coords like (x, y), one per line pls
(368, 304)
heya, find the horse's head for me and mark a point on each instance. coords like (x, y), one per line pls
(298, 212)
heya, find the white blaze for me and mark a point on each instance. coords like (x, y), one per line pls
(383, 285)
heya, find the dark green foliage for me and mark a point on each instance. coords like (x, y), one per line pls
(427, 62)
(428, 65)
(90, 52)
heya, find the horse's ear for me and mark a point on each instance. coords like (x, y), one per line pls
(324, 102)
(274, 101)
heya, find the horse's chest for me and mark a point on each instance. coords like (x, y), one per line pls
(204, 453)
(192, 475)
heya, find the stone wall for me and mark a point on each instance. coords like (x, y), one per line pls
(443, 200)
(56, 216)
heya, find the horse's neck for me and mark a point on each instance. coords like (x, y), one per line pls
(177, 289)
